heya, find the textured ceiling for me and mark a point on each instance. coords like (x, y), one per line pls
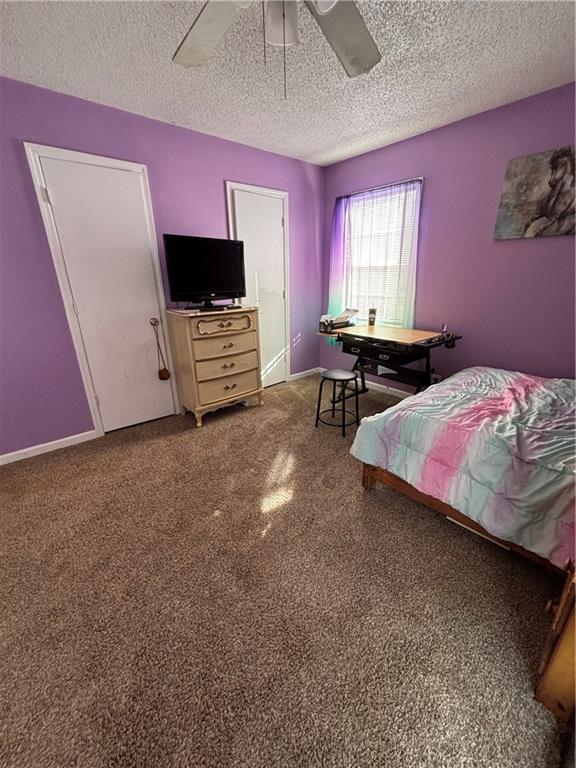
(441, 61)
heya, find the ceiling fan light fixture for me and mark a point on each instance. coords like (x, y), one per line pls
(324, 6)
(275, 33)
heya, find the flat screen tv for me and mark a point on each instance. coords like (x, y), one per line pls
(201, 269)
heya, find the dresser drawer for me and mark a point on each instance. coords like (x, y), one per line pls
(228, 386)
(204, 327)
(383, 354)
(204, 349)
(224, 366)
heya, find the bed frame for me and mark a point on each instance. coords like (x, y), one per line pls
(372, 475)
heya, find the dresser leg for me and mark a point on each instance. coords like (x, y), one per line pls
(260, 399)
(198, 419)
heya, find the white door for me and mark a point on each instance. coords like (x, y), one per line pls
(100, 216)
(257, 219)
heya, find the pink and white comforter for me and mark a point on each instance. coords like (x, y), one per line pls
(496, 445)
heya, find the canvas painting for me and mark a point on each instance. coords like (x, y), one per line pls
(538, 196)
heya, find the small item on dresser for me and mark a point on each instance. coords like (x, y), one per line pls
(372, 316)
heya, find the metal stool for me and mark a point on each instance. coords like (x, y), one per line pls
(342, 377)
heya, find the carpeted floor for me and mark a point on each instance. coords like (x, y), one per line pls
(230, 596)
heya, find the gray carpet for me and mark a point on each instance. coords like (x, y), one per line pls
(230, 596)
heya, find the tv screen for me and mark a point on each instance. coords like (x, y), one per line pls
(204, 268)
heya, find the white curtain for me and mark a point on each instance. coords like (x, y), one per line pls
(380, 249)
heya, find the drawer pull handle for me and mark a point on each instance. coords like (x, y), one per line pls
(228, 346)
(208, 327)
(231, 386)
(384, 357)
(356, 350)
(228, 365)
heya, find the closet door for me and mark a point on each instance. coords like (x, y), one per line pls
(100, 216)
(258, 218)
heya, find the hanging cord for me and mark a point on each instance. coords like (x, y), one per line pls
(264, 29)
(163, 372)
(284, 41)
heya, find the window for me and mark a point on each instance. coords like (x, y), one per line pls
(380, 244)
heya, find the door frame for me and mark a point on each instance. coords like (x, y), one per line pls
(35, 153)
(231, 187)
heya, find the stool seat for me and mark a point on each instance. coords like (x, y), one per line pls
(338, 374)
(340, 377)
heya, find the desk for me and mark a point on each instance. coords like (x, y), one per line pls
(388, 351)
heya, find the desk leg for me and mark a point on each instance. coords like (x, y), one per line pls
(353, 392)
(358, 367)
(427, 375)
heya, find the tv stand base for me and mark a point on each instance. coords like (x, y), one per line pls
(213, 307)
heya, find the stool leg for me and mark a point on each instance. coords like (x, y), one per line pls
(356, 398)
(333, 399)
(343, 385)
(319, 401)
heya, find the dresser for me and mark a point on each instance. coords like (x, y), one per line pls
(216, 358)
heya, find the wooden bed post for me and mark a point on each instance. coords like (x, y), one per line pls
(368, 479)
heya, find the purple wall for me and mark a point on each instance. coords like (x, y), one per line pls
(42, 397)
(512, 300)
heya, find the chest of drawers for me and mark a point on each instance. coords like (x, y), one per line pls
(216, 358)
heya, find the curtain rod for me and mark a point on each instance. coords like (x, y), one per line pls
(380, 186)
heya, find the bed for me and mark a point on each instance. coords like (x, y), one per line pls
(491, 449)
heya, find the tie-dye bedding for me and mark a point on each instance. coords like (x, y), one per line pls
(496, 445)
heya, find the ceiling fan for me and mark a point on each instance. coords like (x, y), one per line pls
(339, 20)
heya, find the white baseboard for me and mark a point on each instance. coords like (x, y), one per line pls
(387, 390)
(303, 374)
(382, 388)
(54, 445)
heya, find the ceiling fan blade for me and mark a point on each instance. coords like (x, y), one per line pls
(209, 27)
(348, 35)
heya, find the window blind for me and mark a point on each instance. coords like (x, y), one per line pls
(380, 251)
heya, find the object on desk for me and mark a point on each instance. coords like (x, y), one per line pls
(325, 324)
(330, 323)
(372, 316)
